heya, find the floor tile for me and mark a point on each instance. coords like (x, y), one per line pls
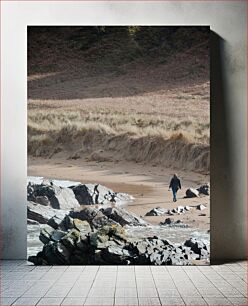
(79, 291)
(27, 301)
(149, 301)
(122, 301)
(164, 292)
(194, 301)
(4, 301)
(131, 285)
(147, 292)
(50, 301)
(217, 301)
(99, 301)
(230, 292)
(58, 291)
(126, 283)
(73, 301)
(102, 292)
(126, 292)
(239, 301)
(171, 301)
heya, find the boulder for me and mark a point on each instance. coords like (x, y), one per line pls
(82, 194)
(57, 235)
(43, 200)
(179, 210)
(71, 239)
(68, 223)
(116, 255)
(51, 195)
(171, 223)
(56, 221)
(168, 221)
(42, 214)
(121, 216)
(32, 222)
(192, 193)
(201, 207)
(82, 226)
(89, 194)
(93, 216)
(198, 247)
(45, 234)
(158, 211)
(204, 189)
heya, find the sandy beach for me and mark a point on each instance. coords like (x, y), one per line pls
(147, 184)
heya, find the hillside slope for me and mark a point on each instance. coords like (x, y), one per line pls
(136, 93)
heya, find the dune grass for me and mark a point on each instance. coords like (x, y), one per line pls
(136, 137)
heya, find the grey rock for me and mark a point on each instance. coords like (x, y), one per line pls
(45, 234)
(57, 235)
(71, 239)
(201, 207)
(141, 247)
(158, 211)
(45, 214)
(80, 257)
(56, 221)
(179, 210)
(171, 223)
(168, 221)
(116, 255)
(156, 258)
(43, 200)
(192, 193)
(55, 196)
(39, 212)
(92, 215)
(123, 217)
(204, 189)
(82, 226)
(89, 194)
(198, 247)
(32, 222)
(83, 194)
(68, 223)
(62, 253)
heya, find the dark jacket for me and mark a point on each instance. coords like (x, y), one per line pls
(175, 184)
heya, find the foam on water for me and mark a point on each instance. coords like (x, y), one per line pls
(173, 234)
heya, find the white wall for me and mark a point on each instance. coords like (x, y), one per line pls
(228, 104)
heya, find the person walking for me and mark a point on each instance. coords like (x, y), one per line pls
(175, 184)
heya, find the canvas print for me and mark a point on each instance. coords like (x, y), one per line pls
(118, 145)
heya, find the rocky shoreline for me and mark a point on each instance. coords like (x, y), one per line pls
(97, 234)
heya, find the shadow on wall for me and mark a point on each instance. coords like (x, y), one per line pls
(224, 230)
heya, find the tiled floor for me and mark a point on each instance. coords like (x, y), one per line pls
(22, 284)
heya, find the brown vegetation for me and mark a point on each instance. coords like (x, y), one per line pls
(100, 102)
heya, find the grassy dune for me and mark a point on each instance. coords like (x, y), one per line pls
(108, 136)
(136, 105)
